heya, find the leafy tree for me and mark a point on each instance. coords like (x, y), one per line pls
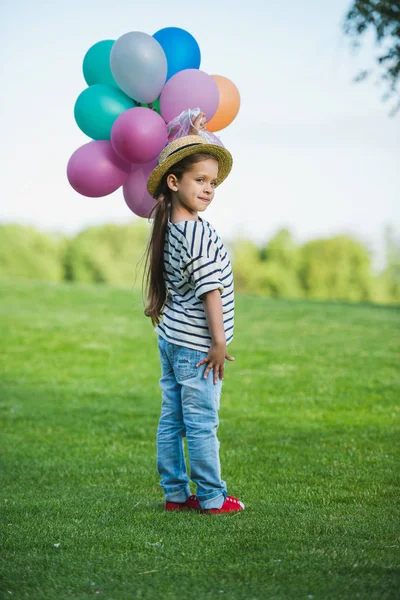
(282, 249)
(245, 258)
(389, 279)
(269, 271)
(382, 17)
(338, 268)
(29, 254)
(107, 254)
(280, 273)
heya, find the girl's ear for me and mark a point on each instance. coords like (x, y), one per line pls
(172, 182)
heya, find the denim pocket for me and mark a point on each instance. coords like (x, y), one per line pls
(185, 361)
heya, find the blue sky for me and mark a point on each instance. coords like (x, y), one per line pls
(312, 151)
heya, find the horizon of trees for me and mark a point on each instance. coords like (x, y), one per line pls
(330, 268)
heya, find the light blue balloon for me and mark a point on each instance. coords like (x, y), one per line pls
(96, 64)
(97, 107)
(139, 66)
(181, 49)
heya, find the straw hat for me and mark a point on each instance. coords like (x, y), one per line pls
(185, 146)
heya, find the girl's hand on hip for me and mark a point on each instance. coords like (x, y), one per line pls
(216, 360)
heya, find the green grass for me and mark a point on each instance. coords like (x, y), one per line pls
(309, 441)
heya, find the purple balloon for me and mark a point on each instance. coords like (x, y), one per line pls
(139, 134)
(95, 170)
(135, 191)
(190, 88)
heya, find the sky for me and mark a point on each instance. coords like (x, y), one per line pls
(313, 151)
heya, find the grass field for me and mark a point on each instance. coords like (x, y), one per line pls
(309, 441)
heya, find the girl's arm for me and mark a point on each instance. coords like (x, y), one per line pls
(213, 308)
(215, 358)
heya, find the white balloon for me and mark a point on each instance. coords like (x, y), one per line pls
(139, 66)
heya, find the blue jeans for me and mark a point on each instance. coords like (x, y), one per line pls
(189, 409)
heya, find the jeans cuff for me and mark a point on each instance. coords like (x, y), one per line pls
(213, 499)
(177, 493)
(214, 502)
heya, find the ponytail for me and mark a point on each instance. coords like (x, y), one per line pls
(156, 290)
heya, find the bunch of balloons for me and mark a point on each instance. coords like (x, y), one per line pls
(136, 86)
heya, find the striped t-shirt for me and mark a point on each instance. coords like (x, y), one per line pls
(195, 262)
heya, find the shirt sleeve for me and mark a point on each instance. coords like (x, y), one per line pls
(202, 266)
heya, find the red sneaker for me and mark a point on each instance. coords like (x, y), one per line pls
(191, 502)
(231, 504)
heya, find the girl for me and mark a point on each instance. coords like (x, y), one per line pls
(191, 303)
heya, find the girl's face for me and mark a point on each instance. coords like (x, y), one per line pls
(196, 188)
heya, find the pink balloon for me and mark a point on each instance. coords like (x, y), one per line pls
(95, 170)
(190, 88)
(135, 191)
(139, 134)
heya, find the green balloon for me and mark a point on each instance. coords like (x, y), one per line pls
(153, 105)
(97, 107)
(96, 64)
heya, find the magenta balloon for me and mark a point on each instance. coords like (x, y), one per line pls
(139, 134)
(190, 88)
(95, 170)
(135, 191)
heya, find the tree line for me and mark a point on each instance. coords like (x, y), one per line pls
(334, 268)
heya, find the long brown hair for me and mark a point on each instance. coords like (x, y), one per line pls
(153, 275)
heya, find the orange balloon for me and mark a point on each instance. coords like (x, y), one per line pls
(229, 104)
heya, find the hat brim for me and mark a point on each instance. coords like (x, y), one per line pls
(222, 155)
